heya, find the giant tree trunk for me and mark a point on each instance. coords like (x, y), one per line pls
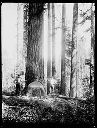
(73, 80)
(63, 76)
(34, 64)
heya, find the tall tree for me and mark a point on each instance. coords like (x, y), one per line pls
(45, 42)
(89, 14)
(49, 61)
(63, 76)
(41, 61)
(68, 59)
(53, 40)
(92, 58)
(73, 81)
(34, 51)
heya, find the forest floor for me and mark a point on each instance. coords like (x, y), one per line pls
(52, 109)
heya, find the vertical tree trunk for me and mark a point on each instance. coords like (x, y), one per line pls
(41, 60)
(63, 76)
(73, 52)
(49, 61)
(26, 32)
(34, 46)
(92, 49)
(45, 43)
(53, 40)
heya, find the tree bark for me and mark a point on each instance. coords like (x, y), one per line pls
(73, 75)
(92, 59)
(49, 61)
(63, 75)
(45, 43)
(41, 60)
(53, 40)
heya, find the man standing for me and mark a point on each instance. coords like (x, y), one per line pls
(17, 81)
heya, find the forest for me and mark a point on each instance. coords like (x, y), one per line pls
(48, 72)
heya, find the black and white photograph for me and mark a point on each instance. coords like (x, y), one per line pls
(48, 65)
